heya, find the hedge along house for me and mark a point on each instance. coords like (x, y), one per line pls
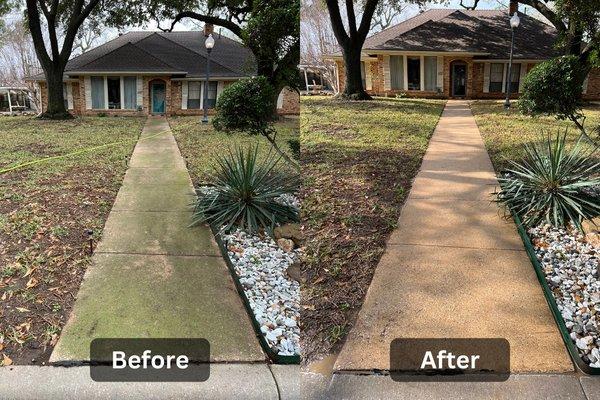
(156, 73)
(456, 54)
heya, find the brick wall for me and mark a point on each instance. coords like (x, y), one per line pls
(291, 103)
(593, 86)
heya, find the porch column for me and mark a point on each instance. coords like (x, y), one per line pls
(405, 61)
(9, 102)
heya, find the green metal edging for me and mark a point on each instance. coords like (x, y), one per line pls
(276, 358)
(551, 300)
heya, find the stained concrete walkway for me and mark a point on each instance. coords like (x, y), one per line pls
(153, 276)
(454, 267)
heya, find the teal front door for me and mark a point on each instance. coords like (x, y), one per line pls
(158, 98)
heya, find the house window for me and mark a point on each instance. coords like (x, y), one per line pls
(97, 91)
(496, 75)
(193, 95)
(430, 74)
(362, 74)
(129, 92)
(515, 73)
(397, 72)
(212, 95)
(414, 73)
(114, 92)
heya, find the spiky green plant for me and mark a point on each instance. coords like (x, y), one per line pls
(245, 192)
(553, 183)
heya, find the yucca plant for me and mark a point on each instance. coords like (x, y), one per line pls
(553, 183)
(245, 192)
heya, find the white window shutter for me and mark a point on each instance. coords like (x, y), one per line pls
(405, 69)
(140, 91)
(105, 93)
(504, 72)
(368, 76)
(69, 95)
(202, 95)
(522, 76)
(280, 100)
(422, 74)
(220, 86)
(440, 72)
(387, 79)
(585, 84)
(486, 77)
(88, 92)
(184, 95)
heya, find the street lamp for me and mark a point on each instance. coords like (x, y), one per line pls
(514, 23)
(209, 43)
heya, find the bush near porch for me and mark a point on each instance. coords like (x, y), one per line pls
(358, 160)
(44, 211)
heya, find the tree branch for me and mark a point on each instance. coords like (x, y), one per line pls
(336, 22)
(365, 23)
(33, 20)
(546, 12)
(233, 27)
(471, 7)
(351, 18)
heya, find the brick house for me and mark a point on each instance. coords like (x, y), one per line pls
(156, 73)
(456, 54)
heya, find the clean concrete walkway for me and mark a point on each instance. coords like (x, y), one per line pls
(152, 275)
(454, 267)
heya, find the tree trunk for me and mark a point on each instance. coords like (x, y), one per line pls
(353, 89)
(56, 100)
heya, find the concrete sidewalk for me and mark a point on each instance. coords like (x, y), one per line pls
(454, 267)
(227, 381)
(152, 276)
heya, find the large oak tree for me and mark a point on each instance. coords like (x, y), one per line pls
(61, 19)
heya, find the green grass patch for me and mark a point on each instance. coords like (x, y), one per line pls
(200, 144)
(505, 133)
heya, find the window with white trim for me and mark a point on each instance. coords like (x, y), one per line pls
(97, 91)
(515, 73)
(413, 68)
(430, 73)
(65, 96)
(113, 84)
(193, 95)
(211, 98)
(496, 77)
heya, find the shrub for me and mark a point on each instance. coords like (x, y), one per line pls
(245, 193)
(553, 87)
(246, 106)
(553, 184)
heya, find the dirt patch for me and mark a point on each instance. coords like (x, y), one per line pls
(45, 251)
(351, 203)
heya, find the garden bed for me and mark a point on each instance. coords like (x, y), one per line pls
(258, 265)
(45, 210)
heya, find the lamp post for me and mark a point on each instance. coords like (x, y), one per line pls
(209, 43)
(514, 23)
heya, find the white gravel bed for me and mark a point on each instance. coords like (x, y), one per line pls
(275, 298)
(571, 266)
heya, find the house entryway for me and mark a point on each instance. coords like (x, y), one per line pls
(459, 79)
(158, 96)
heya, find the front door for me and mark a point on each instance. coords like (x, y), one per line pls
(158, 98)
(459, 80)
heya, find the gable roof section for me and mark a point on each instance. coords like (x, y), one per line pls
(169, 52)
(479, 31)
(127, 58)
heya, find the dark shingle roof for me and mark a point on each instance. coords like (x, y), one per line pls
(172, 52)
(473, 31)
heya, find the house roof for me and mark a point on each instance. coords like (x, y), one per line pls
(180, 53)
(485, 32)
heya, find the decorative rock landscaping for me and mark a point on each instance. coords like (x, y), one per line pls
(571, 266)
(261, 267)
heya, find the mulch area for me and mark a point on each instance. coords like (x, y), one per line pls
(44, 252)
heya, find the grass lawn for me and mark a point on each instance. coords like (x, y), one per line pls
(505, 134)
(200, 144)
(358, 161)
(44, 211)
